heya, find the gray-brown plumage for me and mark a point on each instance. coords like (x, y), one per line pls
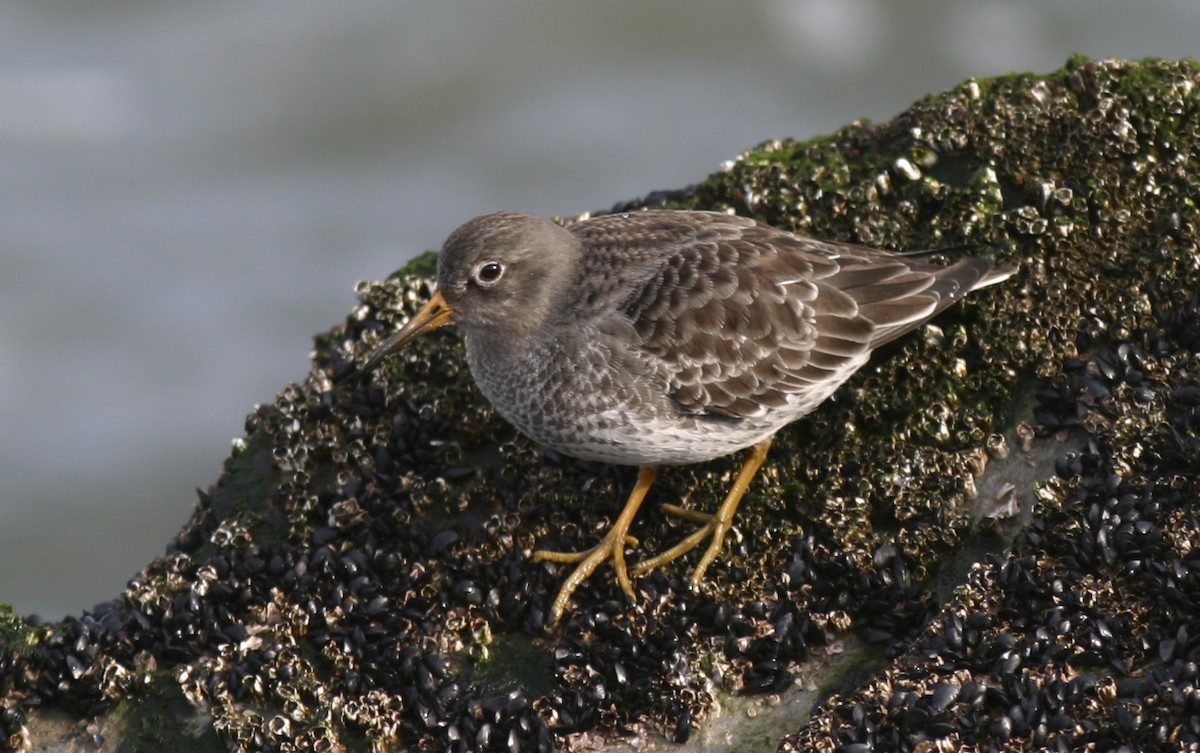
(665, 337)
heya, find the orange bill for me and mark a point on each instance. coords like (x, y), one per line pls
(436, 313)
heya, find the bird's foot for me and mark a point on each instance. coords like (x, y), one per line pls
(611, 548)
(712, 526)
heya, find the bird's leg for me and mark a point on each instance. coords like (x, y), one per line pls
(611, 548)
(715, 525)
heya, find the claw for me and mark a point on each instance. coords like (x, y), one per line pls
(713, 527)
(611, 548)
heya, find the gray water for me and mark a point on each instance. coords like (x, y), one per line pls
(189, 190)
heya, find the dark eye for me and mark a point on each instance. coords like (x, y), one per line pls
(489, 272)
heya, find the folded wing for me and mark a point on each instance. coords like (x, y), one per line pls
(746, 318)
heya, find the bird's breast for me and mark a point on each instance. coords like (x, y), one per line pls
(583, 396)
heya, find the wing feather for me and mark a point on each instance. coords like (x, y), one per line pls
(742, 317)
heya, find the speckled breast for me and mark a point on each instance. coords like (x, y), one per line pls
(582, 398)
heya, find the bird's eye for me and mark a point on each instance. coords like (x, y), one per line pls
(489, 272)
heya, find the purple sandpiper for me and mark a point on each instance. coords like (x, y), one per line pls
(667, 338)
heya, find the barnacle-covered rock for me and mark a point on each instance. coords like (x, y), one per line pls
(987, 540)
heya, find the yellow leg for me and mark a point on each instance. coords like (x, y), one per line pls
(715, 526)
(611, 548)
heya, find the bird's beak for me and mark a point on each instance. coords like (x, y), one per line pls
(436, 313)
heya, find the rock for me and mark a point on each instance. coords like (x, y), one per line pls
(361, 571)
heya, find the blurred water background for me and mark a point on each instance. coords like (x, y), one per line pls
(189, 189)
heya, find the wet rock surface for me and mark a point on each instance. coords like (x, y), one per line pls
(987, 540)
